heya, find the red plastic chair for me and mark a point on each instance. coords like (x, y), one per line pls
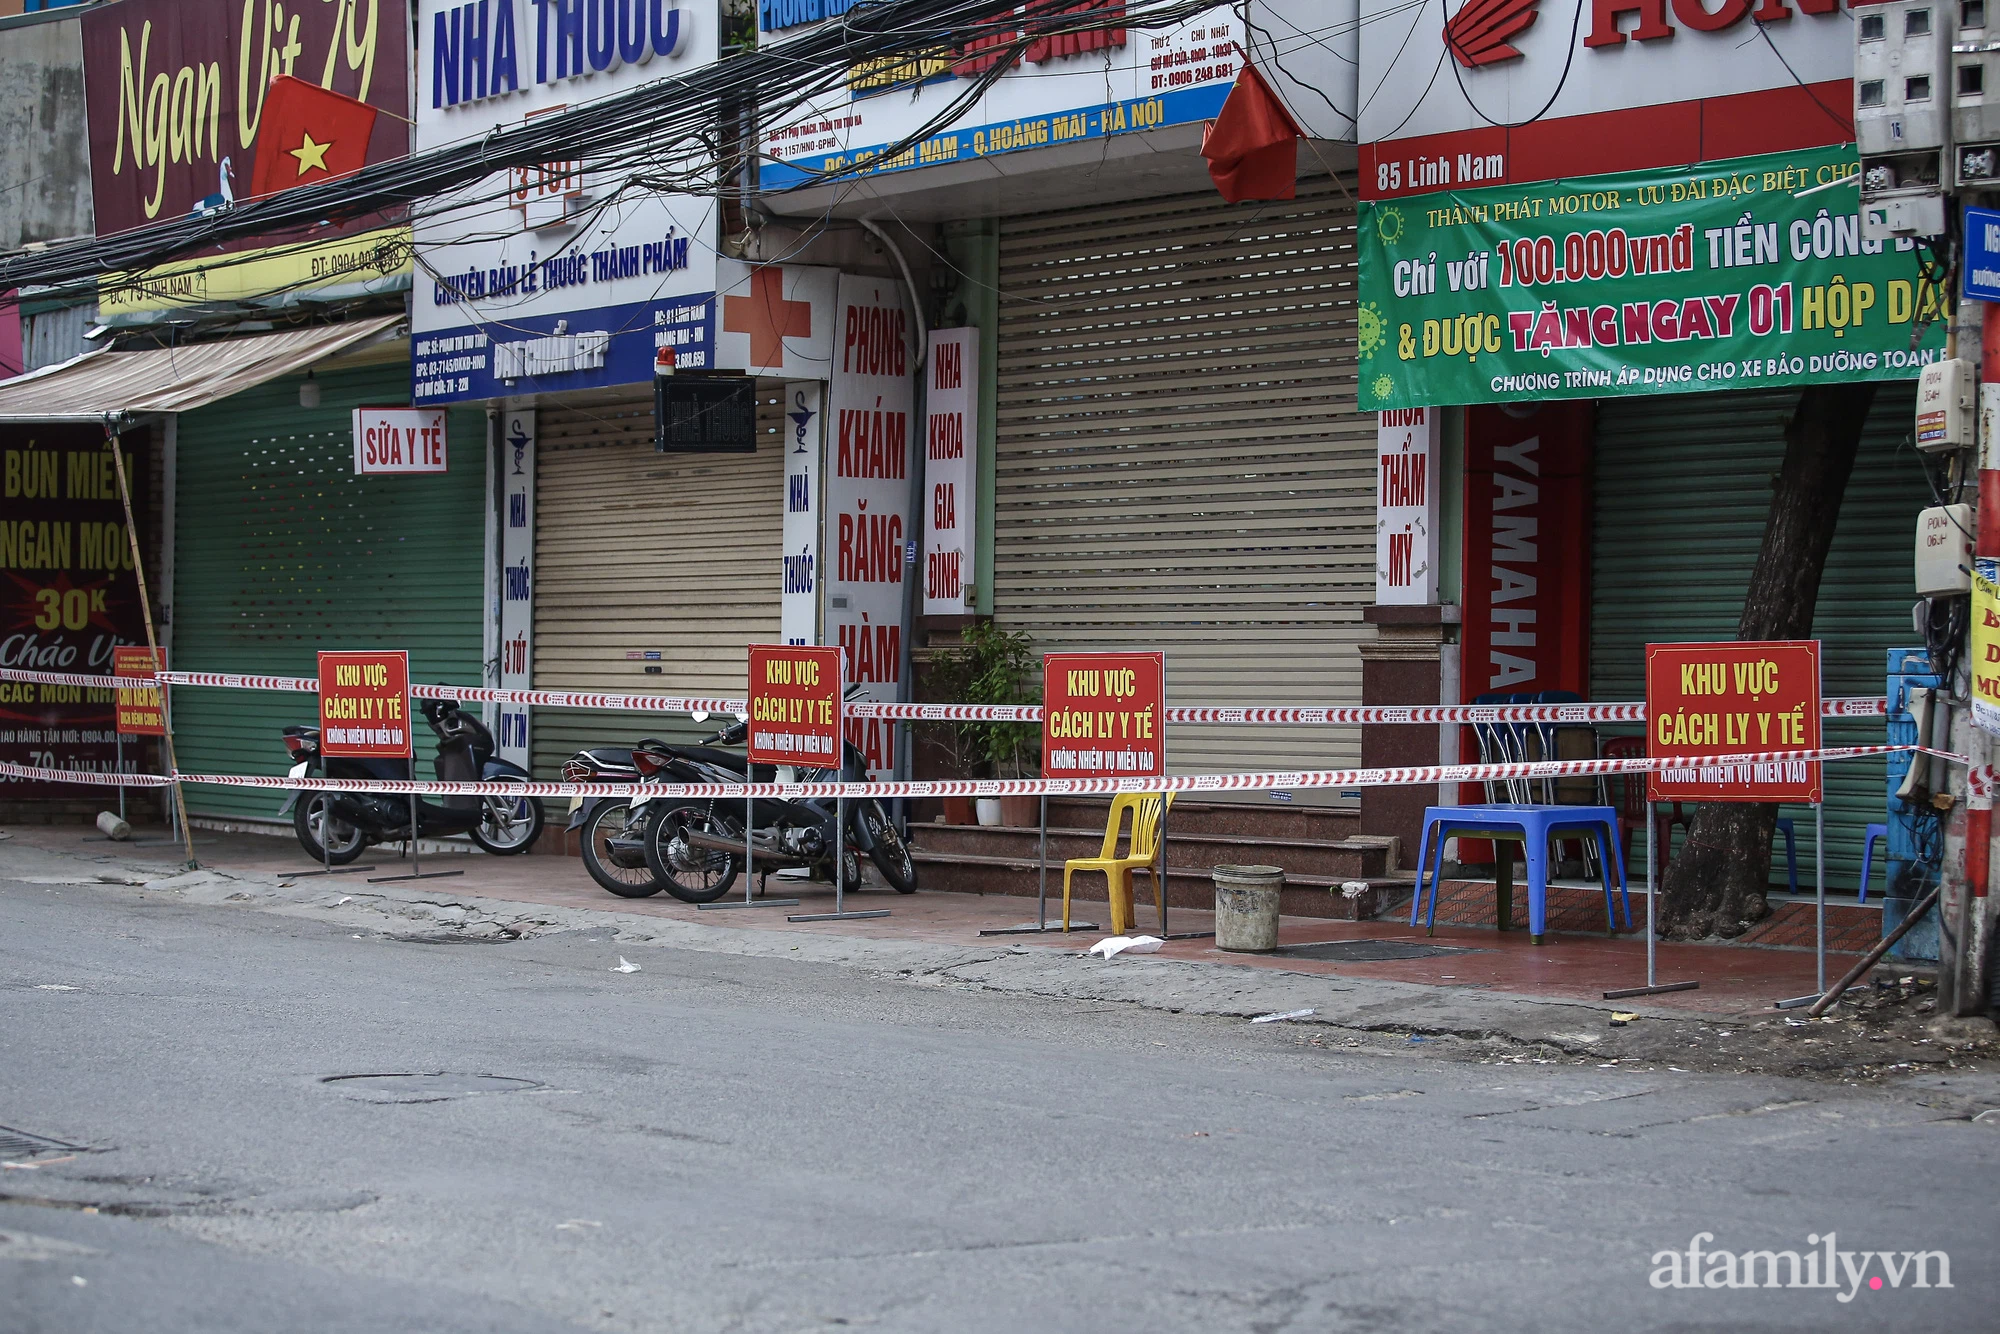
(1632, 801)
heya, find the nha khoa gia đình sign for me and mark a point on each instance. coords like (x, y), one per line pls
(1732, 275)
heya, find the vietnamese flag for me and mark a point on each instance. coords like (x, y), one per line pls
(1249, 146)
(308, 134)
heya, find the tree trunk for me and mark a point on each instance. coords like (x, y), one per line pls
(1714, 886)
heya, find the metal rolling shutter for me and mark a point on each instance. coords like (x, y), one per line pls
(638, 551)
(1683, 491)
(1181, 464)
(281, 550)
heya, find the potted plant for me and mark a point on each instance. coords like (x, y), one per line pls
(992, 666)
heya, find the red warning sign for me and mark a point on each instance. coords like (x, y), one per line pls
(364, 704)
(1104, 715)
(795, 705)
(1733, 698)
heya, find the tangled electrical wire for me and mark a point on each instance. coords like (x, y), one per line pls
(688, 133)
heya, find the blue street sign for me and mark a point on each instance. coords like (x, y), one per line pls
(1982, 254)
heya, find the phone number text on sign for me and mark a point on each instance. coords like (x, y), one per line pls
(1724, 698)
(364, 704)
(794, 705)
(1104, 714)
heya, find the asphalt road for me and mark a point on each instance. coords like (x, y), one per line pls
(718, 1142)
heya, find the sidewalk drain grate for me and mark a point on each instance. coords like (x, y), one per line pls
(18, 1144)
(1369, 951)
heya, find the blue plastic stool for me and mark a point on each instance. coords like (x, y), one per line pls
(1869, 833)
(1792, 853)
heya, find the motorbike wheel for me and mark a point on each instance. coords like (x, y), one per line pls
(310, 816)
(692, 875)
(508, 826)
(627, 882)
(890, 853)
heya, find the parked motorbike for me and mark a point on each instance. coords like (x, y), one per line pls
(338, 826)
(614, 850)
(696, 848)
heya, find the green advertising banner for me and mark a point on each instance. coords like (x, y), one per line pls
(1730, 275)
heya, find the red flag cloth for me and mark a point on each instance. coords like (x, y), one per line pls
(1249, 146)
(308, 133)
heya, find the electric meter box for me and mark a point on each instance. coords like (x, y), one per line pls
(1944, 551)
(1903, 84)
(1975, 97)
(1944, 406)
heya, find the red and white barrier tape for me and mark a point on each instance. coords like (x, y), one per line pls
(1855, 706)
(994, 787)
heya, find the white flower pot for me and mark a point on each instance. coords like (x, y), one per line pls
(988, 809)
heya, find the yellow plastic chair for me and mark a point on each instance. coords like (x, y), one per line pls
(1146, 808)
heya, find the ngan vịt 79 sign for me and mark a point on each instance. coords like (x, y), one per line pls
(1739, 274)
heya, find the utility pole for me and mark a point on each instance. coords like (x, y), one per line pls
(1930, 153)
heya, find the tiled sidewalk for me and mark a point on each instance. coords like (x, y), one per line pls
(1578, 962)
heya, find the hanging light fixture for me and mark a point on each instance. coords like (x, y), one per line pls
(309, 392)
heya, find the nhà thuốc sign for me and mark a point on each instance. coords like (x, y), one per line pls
(1733, 698)
(1740, 274)
(1104, 715)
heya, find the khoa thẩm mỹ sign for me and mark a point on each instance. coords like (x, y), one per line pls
(1733, 275)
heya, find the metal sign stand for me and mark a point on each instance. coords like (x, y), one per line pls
(749, 857)
(1041, 922)
(1653, 984)
(325, 844)
(839, 913)
(417, 871)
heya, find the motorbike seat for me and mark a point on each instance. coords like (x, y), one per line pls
(609, 757)
(301, 731)
(727, 759)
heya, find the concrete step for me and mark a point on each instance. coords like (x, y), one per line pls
(1265, 819)
(1187, 886)
(1336, 861)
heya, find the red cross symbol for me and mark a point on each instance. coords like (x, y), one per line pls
(767, 317)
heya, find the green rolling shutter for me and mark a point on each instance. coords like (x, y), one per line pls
(1683, 489)
(282, 551)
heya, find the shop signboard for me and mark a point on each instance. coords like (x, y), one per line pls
(140, 712)
(1076, 90)
(1406, 527)
(1981, 262)
(559, 276)
(72, 596)
(798, 606)
(1986, 643)
(869, 444)
(1737, 697)
(795, 706)
(1745, 274)
(1470, 92)
(176, 92)
(517, 576)
(951, 448)
(364, 704)
(775, 319)
(399, 440)
(1104, 715)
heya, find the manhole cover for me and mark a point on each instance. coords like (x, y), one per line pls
(1369, 951)
(434, 1087)
(19, 1144)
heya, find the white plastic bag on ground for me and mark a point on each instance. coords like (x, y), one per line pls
(1115, 945)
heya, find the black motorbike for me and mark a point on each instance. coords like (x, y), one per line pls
(695, 849)
(613, 842)
(338, 826)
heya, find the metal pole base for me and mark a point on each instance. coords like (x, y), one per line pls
(337, 870)
(1623, 992)
(720, 904)
(1800, 1002)
(837, 916)
(424, 875)
(1036, 929)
